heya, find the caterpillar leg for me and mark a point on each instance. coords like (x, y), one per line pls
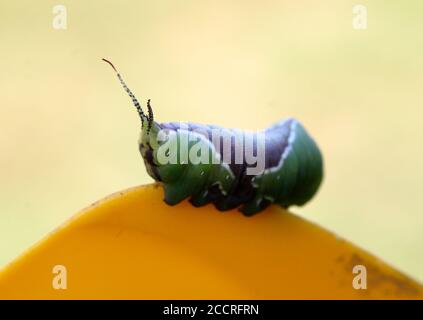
(174, 193)
(200, 199)
(205, 197)
(254, 206)
(227, 203)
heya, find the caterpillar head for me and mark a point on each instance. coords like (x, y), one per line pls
(148, 143)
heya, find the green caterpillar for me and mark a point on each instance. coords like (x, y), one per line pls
(291, 163)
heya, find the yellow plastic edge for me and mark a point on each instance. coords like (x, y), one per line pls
(132, 245)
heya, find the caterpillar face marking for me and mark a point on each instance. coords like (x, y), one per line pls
(292, 173)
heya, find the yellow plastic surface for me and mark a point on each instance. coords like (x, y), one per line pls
(132, 245)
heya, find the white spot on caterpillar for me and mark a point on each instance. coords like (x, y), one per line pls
(202, 173)
(270, 198)
(221, 189)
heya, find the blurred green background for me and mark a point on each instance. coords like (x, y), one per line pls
(69, 132)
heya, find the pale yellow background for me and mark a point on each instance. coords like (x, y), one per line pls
(69, 133)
